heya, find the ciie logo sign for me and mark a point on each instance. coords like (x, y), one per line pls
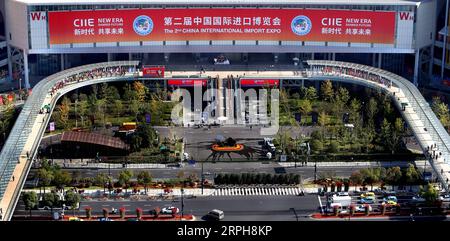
(143, 25)
(301, 25)
(181, 112)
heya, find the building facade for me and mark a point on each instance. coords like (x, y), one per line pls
(46, 36)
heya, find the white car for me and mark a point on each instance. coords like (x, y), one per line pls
(342, 194)
(445, 198)
(418, 199)
(169, 210)
(362, 208)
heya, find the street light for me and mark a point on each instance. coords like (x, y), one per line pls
(182, 204)
(295, 213)
(203, 177)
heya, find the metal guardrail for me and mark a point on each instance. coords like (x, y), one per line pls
(13, 148)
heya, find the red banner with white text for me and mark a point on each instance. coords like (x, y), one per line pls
(221, 24)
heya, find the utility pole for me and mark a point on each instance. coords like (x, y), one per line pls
(182, 204)
(203, 176)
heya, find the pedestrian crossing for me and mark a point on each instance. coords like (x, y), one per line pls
(257, 191)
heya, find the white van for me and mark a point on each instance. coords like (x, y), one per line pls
(216, 214)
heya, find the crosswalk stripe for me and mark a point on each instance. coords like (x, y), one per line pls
(257, 191)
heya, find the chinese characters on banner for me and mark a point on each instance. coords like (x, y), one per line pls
(221, 24)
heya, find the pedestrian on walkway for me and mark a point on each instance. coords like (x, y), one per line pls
(13, 178)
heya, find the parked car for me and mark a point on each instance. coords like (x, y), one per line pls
(169, 210)
(445, 198)
(391, 200)
(417, 199)
(367, 194)
(367, 200)
(362, 208)
(342, 194)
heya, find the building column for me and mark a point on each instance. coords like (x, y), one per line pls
(374, 59)
(431, 64)
(416, 67)
(166, 57)
(26, 70)
(130, 56)
(9, 61)
(379, 60)
(63, 66)
(110, 57)
(333, 56)
(445, 40)
(312, 56)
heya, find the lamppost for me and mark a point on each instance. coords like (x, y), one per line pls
(76, 119)
(203, 177)
(295, 213)
(182, 204)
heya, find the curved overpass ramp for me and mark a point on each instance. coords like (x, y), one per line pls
(23, 142)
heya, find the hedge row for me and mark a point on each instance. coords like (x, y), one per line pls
(256, 178)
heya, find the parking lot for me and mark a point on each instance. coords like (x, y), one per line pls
(404, 200)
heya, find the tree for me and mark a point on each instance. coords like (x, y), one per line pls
(117, 107)
(128, 93)
(342, 98)
(82, 110)
(45, 177)
(356, 178)
(317, 146)
(305, 106)
(51, 200)
(327, 91)
(355, 109)
(370, 176)
(430, 193)
(398, 132)
(393, 176)
(124, 178)
(61, 178)
(103, 91)
(441, 110)
(141, 90)
(134, 108)
(334, 147)
(148, 135)
(371, 111)
(309, 93)
(136, 142)
(62, 113)
(72, 199)
(411, 174)
(386, 136)
(93, 107)
(144, 178)
(30, 200)
(102, 180)
(323, 118)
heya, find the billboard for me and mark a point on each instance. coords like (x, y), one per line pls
(89, 26)
(259, 82)
(187, 82)
(153, 71)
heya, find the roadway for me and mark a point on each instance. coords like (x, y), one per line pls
(216, 168)
(236, 208)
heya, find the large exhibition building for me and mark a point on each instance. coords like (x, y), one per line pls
(46, 36)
